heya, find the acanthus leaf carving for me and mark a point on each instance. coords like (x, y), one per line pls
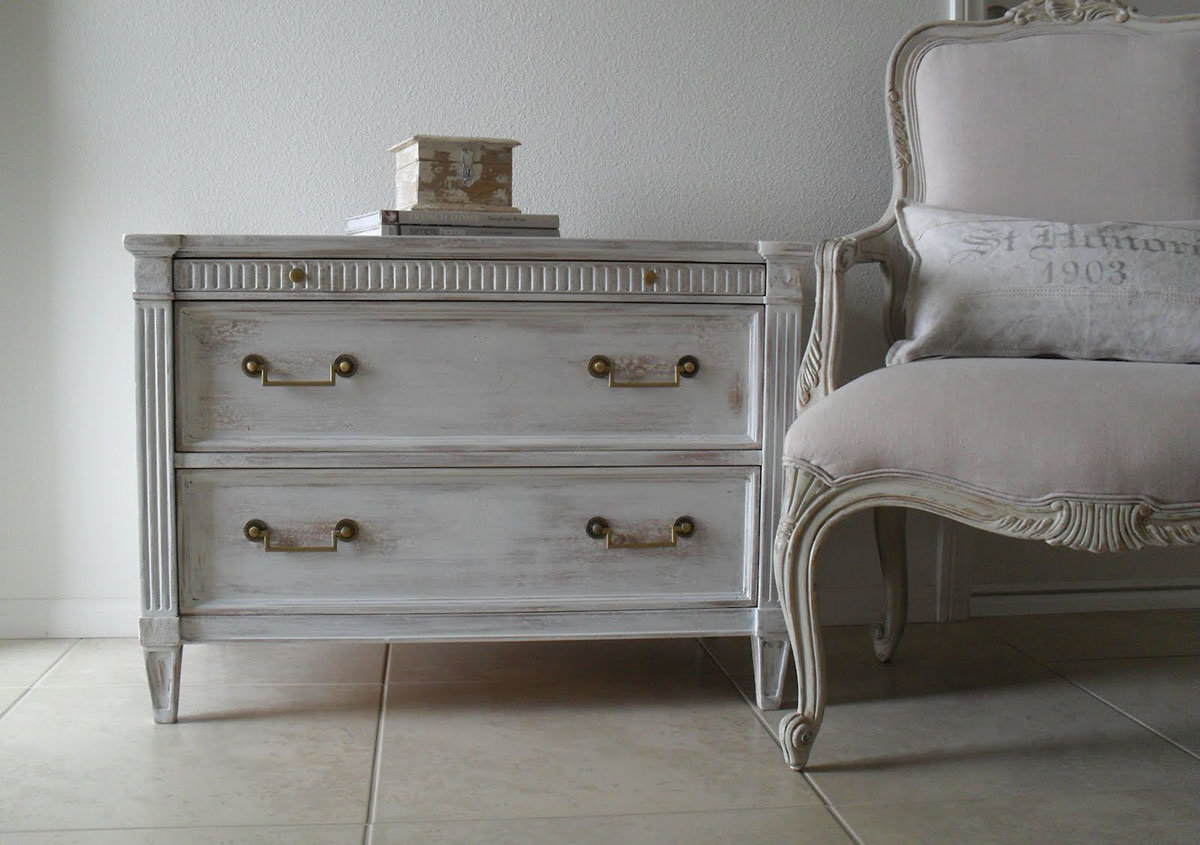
(800, 489)
(810, 367)
(1100, 526)
(1092, 525)
(832, 257)
(1068, 11)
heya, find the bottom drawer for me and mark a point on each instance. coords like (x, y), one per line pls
(461, 540)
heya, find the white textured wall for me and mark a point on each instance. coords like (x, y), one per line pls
(731, 120)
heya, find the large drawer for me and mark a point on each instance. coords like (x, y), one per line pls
(464, 540)
(467, 376)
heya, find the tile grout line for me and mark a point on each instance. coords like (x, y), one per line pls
(1185, 656)
(377, 757)
(753, 708)
(175, 828)
(833, 810)
(438, 819)
(812, 784)
(38, 680)
(1105, 701)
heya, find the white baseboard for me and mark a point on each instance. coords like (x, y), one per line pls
(1084, 600)
(34, 618)
(854, 606)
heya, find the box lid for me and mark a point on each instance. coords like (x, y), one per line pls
(453, 148)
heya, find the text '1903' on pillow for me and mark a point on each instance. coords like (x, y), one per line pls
(988, 286)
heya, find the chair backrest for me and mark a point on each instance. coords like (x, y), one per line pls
(1073, 110)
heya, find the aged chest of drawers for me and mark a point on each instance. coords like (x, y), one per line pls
(432, 439)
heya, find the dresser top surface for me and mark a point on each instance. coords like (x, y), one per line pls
(540, 249)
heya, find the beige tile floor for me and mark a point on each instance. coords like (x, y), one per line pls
(1082, 728)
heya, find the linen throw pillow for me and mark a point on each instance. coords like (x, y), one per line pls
(989, 286)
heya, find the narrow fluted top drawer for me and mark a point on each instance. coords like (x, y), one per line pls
(464, 277)
(407, 375)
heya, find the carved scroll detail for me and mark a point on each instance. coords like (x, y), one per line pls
(1100, 526)
(900, 145)
(797, 732)
(804, 496)
(1068, 11)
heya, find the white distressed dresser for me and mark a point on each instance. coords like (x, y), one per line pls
(434, 439)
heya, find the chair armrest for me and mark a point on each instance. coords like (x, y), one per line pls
(879, 244)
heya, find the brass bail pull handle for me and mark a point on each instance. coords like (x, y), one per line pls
(602, 367)
(599, 528)
(256, 530)
(256, 366)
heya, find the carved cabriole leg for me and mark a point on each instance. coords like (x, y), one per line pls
(795, 551)
(162, 670)
(811, 505)
(770, 668)
(890, 538)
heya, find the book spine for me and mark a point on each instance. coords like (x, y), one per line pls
(470, 218)
(472, 231)
(451, 218)
(453, 231)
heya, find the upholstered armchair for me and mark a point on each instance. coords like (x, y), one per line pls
(1043, 264)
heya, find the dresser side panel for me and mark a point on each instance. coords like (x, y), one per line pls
(154, 385)
(786, 265)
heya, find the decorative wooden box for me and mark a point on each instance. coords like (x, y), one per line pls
(435, 172)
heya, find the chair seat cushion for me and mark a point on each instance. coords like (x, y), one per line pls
(1022, 428)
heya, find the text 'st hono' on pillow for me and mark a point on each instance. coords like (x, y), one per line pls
(987, 286)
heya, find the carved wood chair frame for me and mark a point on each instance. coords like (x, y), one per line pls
(813, 502)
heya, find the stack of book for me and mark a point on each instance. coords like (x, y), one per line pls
(434, 223)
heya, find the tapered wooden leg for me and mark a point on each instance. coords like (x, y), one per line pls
(794, 554)
(770, 668)
(891, 540)
(162, 670)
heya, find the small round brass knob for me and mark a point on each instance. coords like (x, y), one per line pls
(296, 274)
(649, 277)
(252, 365)
(346, 529)
(599, 366)
(688, 366)
(345, 365)
(684, 526)
(254, 529)
(597, 527)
